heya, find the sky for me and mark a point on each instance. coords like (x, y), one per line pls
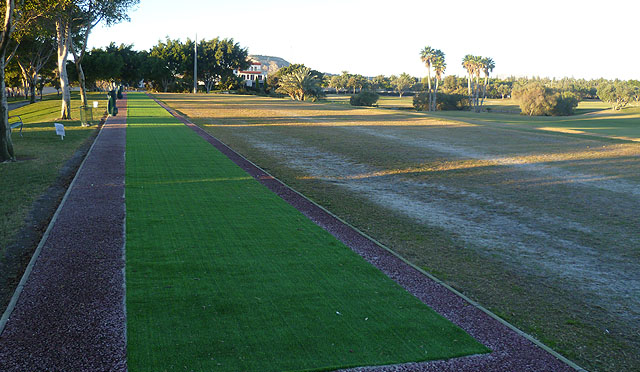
(548, 38)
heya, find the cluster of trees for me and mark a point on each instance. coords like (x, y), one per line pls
(474, 66)
(170, 64)
(33, 30)
(358, 83)
(619, 93)
(433, 59)
(349, 81)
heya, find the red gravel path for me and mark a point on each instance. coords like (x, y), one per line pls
(511, 351)
(70, 315)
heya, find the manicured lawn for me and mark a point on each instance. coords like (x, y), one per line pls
(383, 102)
(597, 120)
(538, 225)
(40, 155)
(222, 275)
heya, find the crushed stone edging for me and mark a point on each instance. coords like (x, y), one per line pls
(27, 272)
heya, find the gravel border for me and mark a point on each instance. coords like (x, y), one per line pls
(513, 350)
(70, 314)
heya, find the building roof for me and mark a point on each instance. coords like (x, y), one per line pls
(250, 72)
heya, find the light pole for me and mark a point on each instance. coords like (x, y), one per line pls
(195, 66)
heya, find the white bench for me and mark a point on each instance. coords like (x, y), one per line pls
(15, 121)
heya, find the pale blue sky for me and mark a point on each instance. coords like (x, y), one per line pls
(583, 39)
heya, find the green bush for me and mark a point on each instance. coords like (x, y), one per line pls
(364, 99)
(444, 102)
(537, 100)
(566, 104)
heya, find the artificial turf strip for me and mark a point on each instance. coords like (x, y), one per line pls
(222, 275)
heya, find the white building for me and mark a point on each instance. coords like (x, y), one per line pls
(254, 75)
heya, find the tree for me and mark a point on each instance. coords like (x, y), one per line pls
(427, 55)
(487, 65)
(173, 55)
(274, 79)
(380, 82)
(89, 13)
(217, 58)
(357, 81)
(473, 65)
(618, 94)
(439, 66)
(401, 83)
(300, 85)
(536, 100)
(6, 145)
(337, 83)
(35, 48)
(504, 90)
(102, 65)
(18, 16)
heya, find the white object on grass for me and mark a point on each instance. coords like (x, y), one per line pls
(59, 130)
(95, 104)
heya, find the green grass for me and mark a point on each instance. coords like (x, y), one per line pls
(222, 275)
(596, 121)
(391, 102)
(40, 155)
(498, 180)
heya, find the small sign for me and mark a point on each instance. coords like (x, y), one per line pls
(59, 130)
(95, 104)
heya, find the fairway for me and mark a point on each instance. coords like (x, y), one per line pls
(538, 225)
(222, 275)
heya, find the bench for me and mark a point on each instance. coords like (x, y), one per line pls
(15, 121)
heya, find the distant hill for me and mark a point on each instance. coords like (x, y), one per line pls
(270, 64)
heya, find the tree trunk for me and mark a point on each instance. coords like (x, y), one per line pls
(484, 90)
(476, 94)
(435, 95)
(469, 87)
(63, 29)
(32, 88)
(430, 94)
(6, 145)
(83, 85)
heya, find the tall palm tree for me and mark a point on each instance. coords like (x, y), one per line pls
(467, 63)
(487, 67)
(439, 66)
(427, 55)
(476, 62)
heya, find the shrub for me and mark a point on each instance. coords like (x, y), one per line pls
(364, 99)
(537, 100)
(444, 102)
(566, 104)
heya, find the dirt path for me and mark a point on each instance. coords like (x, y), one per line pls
(70, 314)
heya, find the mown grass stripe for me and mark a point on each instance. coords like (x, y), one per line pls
(222, 275)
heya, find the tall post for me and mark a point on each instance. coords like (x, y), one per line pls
(195, 66)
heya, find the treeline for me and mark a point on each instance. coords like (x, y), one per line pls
(167, 66)
(33, 33)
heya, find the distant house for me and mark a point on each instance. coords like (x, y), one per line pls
(254, 75)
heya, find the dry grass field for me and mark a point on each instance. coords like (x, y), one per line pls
(539, 225)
